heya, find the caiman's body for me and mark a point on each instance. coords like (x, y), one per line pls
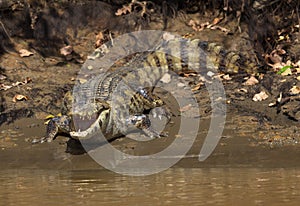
(114, 100)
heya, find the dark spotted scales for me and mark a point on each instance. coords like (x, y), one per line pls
(112, 101)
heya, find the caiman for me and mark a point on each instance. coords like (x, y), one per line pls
(132, 102)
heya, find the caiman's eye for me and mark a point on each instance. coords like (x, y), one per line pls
(66, 122)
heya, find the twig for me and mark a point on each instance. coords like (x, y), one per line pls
(3, 27)
(298, 16)
(111, 39)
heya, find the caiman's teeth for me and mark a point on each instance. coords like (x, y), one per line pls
(79, 130)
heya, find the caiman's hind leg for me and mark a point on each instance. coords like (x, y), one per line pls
(143, 122)
(152, 103)
(55, 125)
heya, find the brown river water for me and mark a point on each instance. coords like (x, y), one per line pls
(177, 186)
(236, 173)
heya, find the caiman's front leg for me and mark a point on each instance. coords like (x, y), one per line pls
(58, 124)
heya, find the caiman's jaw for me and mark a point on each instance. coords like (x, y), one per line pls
(98, 125)
(89, 121)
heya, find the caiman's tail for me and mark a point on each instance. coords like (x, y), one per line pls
(200, 56)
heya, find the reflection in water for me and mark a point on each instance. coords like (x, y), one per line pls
(174, 186)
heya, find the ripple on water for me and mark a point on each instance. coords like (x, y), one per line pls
(174, 186)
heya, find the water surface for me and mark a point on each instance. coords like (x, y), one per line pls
(177, 186)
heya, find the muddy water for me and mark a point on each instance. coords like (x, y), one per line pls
(236, 173)
(175, 186)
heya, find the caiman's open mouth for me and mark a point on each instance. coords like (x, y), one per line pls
(89, 131)
(88, 126)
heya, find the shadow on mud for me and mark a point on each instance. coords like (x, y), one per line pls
(14, 115)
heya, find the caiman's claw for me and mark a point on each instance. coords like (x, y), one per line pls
(54, 126)
(162, 112)
(40, 140)
(36, 141)
(143, 122)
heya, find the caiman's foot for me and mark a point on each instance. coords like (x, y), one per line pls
(41, 140)
(54, 126)
(143, 122)
(161, 112)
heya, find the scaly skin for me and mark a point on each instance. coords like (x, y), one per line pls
(114, 113)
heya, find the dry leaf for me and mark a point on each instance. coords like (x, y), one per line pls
(17, 84)
(19, 97)
(2, 77)
(81, 80)
(272, 104)
(276, 66)
(166, 78)
(216, 20)
(100, 39)
(4, 87)
(185, 108)
(193, 23)
(251, 81)
(243, 90)
(261, 76)
(295, 90)
(142, 8)
(25, 53)
(210, 74)
(168, 36)
(280, 97)
(260, 96)
(124, 10)
(297, 64)
(227, 77)
(180, 84)
(67, 50)
(27, 80)
(274, 59)
(197, 87)
(223, 29)
(189, 73)
(287, 72)
(197, 26)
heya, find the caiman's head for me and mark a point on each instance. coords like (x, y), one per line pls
(76, 118)
(73, 106)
